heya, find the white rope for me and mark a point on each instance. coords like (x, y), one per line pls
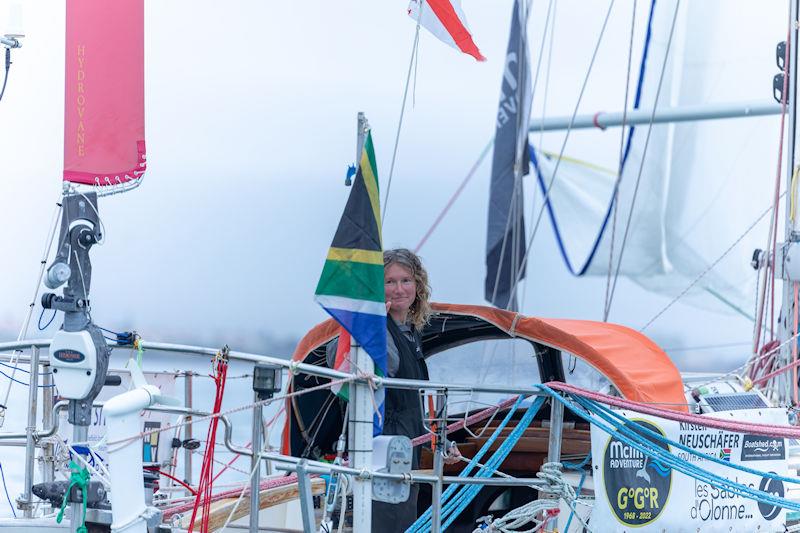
(244, 490)
(529, 513)
(644, 155)
(607, 304)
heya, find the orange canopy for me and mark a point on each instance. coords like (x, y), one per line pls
(634, 364)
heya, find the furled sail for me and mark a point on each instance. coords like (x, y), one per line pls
(702, 185)
(505, 235)
(104, 93)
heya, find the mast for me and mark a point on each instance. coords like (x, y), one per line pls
(790, 256)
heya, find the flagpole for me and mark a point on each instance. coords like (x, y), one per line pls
(360, 424)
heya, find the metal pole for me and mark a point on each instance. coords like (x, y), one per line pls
(290, 465)
(26, 501)
(556, 431)
(79, 434)
(255, 464)
(687, 113)
(438, 460)
(187, 453)
(360, 436)
(786, 384)
(48, 421)
(306, 499)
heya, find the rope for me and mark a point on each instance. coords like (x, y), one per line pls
(521, 516)
(23, 332)
(234, 410)
(773, 229)
(477, 417)
(546, 196)
(79, 477)
(204, 487)
(666, 459)
(769, 430)
(414, 54)
(621, 421)
(615, 197)
(580, 483)
(5, 489)
(641, 162)
(457, 497)
(454, 197)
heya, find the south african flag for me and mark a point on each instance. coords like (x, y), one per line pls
(350, 288)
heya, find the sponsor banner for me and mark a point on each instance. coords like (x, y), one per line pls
(155, 447)
(635, 493)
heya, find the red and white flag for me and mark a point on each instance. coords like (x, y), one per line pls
(446, 20)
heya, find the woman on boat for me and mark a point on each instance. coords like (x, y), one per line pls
(408, 307)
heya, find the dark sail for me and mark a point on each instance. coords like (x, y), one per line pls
(505, 236)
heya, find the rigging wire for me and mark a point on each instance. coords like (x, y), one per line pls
(414, 53)
(517, 191)
(546, 196)
(644, 154)
(5, 489)
(24, 329)
(769, 265)
(549, 24)
(615, 197)
(455, 196)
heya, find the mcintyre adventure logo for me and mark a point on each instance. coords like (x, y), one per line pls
(637, 486)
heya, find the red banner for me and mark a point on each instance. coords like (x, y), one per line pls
(104, 92)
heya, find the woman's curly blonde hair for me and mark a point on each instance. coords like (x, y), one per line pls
(420, 310)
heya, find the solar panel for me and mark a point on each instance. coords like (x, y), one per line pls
(735, 401)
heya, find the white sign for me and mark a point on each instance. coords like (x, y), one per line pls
(635, 493)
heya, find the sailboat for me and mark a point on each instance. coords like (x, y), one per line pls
(608, 358)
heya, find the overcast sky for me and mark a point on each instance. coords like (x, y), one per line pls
(250, 125)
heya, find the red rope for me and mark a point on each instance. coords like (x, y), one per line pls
(596, 121)
(784, 94)
(477, 417)
(173, 478)
(233, 493)
(453, 198)
(769, 430)
(203, 496)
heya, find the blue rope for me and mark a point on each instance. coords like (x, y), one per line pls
(657, 453)
(417, 525)
(582, 269)
(469, 492)
(423, 522)
(657, 436)
(20, 369)
(39, 322)
(577, 494)
(5, 488)
(22, 382)
(576, 466)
